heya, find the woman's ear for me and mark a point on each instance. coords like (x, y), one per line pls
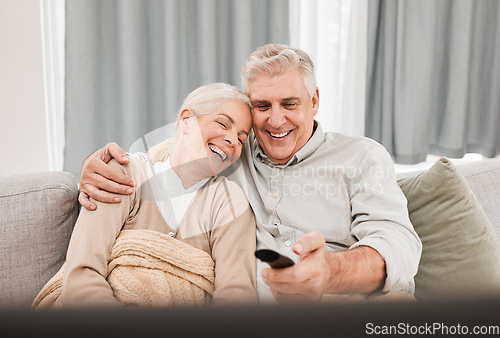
(183, 119)
(185, 114)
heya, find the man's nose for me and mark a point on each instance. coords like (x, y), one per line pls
(276, 117)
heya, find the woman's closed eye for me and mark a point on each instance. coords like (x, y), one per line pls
(243, 137)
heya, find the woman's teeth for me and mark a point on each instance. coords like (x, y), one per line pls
(218, 151)
(283, 134)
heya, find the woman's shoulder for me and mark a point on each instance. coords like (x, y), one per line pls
(223, 183)
(225, 191)
(136, 168)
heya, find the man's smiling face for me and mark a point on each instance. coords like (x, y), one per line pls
(283, 113)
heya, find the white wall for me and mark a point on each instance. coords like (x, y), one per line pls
(23, 141)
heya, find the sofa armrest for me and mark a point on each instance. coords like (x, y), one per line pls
(37, 215)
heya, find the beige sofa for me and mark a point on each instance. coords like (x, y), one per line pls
(38, 211)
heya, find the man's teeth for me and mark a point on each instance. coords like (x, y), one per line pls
(283, 134)
(218, 151)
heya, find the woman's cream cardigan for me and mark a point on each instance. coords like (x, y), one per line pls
(219, 222)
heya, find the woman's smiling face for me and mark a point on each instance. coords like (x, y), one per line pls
(216, 138)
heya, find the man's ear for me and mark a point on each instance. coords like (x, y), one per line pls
(315, 101)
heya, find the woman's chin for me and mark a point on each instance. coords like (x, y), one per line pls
(218, 165)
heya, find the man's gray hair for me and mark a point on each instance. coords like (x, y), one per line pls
(275, 59)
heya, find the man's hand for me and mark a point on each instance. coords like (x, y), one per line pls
(306, 280)
(360, 270)
(101, 181)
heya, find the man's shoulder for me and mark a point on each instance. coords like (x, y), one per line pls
(358, 143)
(356, 150)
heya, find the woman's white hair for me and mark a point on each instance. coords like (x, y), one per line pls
(275, 59)
(203, 100)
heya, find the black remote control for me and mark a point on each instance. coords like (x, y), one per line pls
(274, 259)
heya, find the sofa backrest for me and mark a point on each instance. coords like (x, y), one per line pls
(484, 180)
(37, 215)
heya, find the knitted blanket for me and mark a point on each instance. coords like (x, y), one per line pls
(148, 268)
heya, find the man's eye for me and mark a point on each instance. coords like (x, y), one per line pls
(262, 107)
(290, 105)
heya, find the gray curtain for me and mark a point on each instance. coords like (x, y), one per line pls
(433, 77)
(131, 63)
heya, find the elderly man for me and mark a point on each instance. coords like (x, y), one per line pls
(329, 201)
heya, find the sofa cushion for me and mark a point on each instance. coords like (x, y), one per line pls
(461, 253)
(37, 215)
(483, 178)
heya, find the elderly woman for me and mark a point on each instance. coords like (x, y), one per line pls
(185, 236)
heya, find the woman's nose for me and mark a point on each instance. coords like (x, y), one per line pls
(231, 138)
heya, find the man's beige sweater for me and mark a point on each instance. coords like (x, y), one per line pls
(219, 221)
